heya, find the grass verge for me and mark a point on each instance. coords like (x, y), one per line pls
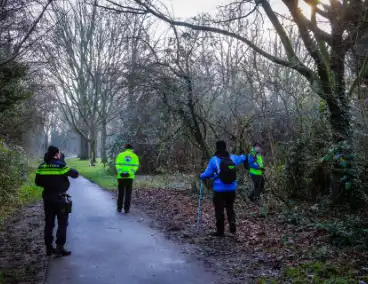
(97, 174)
(318, 272)
(28, 192)
(106, 179)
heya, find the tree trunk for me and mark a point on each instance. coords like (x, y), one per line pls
(103, 143)
(93, 145)
(195, 128)
(46, 141)
(92, 155)
(83, 148)
(339, 103)
(340, 120)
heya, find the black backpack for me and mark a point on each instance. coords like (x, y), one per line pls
(227, 171)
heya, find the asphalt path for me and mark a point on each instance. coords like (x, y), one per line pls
(113, 248)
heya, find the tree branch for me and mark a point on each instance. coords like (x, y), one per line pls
(121, 10)
(238, 18)
(293, 63)
(323, 69)
(30, 31)
(126, 9)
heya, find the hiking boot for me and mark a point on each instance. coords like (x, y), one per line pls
(126, 211)
(61, 251)
(217, 234)
(50, 250)
(119, 210)
(232, 228)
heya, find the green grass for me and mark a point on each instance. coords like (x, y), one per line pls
(104, 178)
(28, 192)
(317, 273)
(97, 174)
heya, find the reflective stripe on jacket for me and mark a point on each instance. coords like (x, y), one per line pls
(53, 177)
(52, 169)
(255, 162)
(127, 164)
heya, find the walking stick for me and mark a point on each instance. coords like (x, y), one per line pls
(199, 205)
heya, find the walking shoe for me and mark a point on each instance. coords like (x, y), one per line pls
(217, 234)
(126, 211)
(50, 250)
(118, 209)
(61, 251)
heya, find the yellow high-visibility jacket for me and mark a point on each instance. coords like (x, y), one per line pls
(255, 163)
(127, 164)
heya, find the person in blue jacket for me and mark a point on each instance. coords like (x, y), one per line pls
(222, 169)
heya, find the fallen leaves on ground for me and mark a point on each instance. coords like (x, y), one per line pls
(22, 255)
(262, 246)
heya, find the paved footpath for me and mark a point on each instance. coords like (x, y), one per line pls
(113, 248)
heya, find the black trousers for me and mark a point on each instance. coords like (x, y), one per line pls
(221, 201)
(125, 191)
(55, 209)
(259, 183)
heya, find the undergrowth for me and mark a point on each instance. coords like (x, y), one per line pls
(17, 180)
(318, 273)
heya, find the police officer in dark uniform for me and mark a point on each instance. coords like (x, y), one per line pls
(52, 175)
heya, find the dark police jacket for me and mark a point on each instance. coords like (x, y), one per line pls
(53, 177)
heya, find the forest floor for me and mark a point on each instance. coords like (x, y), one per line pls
(267, 248)
(22, 255)
(272, 245)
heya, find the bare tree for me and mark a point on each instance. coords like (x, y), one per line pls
(19, 20)
(328, 49)
(86, 55)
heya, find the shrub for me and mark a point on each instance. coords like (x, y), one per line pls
(349, 231)
(13, 168)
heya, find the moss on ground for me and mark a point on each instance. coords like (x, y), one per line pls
(317, 273)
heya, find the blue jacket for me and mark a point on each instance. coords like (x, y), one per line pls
(211, 172)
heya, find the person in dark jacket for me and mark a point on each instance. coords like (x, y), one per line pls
(62, 157)
(224, 193)
(53, 175)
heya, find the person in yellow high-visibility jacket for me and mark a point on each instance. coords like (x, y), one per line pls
(256, 171)
(127, 164)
